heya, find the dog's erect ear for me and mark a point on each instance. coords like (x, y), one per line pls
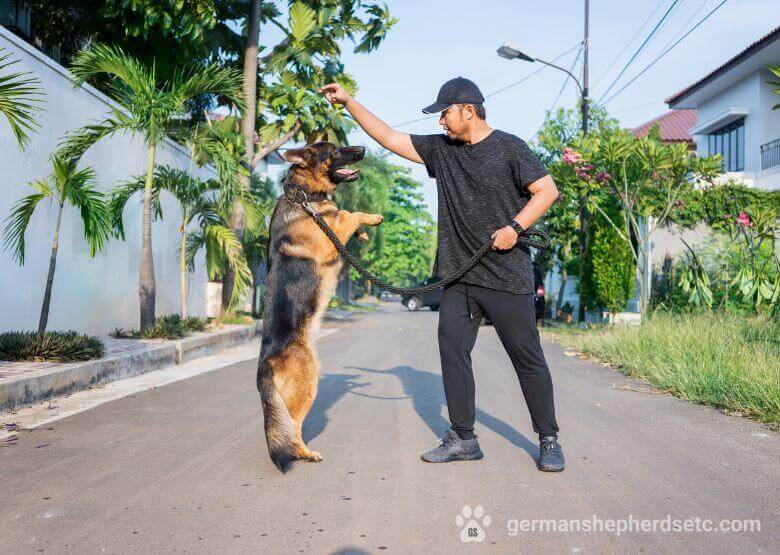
(296, 156)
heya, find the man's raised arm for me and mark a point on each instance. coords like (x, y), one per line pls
(392, 140)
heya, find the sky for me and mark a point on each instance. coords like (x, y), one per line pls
(435, 40)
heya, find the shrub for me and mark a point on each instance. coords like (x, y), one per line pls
(170, 326)
(54, 346)
(193, 323)
(240, 318)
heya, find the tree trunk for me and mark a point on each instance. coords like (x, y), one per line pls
(561, 290)
(581, 239)
(146, 283)
(237, 217)
(344, 290)
(250, 81)
(50, 278)
(183, 263)
(566, 250)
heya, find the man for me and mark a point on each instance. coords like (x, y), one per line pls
(489, 185)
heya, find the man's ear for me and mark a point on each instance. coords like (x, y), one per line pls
(296, 156)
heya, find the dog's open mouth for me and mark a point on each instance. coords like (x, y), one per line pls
(345, 174)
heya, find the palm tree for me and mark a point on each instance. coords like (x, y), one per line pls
(224, 249)
(150, 108)
(188, 192)
(65, 186)
(19, 99)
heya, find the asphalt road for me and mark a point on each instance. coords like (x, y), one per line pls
(183, 467)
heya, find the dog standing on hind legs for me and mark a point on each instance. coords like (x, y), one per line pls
(303, 269)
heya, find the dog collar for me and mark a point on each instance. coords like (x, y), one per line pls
(296, 194)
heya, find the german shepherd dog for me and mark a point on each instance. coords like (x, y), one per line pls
(303, 269)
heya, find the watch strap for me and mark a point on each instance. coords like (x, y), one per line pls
(517, 227)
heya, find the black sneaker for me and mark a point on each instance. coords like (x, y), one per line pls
(550, 454)
(452, 448)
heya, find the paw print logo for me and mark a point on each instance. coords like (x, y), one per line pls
(469, 523)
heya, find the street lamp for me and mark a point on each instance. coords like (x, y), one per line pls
(511, 52)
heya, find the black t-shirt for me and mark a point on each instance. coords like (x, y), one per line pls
(481, 188)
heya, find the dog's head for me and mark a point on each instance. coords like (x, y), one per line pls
(320, 167)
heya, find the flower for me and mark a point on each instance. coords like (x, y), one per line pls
(571, 157)
(603, 177)
(743, 219)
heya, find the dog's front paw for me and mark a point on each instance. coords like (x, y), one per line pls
(314, 456)
(374, 219)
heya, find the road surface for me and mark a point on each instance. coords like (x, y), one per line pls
(183, 466)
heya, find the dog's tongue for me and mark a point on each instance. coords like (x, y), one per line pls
(345, 173)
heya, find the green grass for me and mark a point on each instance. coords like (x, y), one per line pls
(726, 361)
(170, 326)
(239, 318)
(355, 306)
(52, 346)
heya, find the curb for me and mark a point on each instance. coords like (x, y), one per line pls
(51, 382)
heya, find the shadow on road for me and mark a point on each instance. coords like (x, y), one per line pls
(330, 389)
(427, 394)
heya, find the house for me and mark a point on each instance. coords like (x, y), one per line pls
(673, 125)
(735, 117)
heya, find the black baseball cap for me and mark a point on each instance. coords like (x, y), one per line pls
(455, 91)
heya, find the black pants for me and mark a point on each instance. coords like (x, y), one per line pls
(514, 320)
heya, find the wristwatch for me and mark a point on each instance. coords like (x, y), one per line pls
(517, 227)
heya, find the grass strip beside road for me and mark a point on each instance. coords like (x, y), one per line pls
(726, 361)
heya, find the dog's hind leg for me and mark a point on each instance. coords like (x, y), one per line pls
(299, 396)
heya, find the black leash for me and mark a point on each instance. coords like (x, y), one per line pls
(531, 238)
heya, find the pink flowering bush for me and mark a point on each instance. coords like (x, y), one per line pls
(571, 157)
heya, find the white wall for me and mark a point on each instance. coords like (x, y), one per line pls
(92, 295)
(742, 94)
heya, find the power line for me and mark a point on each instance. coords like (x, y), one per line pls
(639, 50)
(502, 89)
(566, 81)
(611, 65)
(684, 25)
(666, 51)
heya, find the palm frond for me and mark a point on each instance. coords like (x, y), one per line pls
(77, 142)
(223, 157)
(213, 79)
(223, 249)
(20, 98)
(118, 200)
(19, 218)
(112, 60)
(81, 192)
(195, 242)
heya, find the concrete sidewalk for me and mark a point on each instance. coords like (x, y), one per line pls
(22, 383)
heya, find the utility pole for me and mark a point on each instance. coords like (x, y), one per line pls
(585, 46)
(583, 216)
(512, 52)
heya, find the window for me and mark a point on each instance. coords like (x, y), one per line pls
(729, 142)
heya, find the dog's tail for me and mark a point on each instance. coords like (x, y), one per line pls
(280, 433)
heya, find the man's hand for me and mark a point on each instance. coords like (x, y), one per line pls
(392, 140)
(504, 238)
(335, 94)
